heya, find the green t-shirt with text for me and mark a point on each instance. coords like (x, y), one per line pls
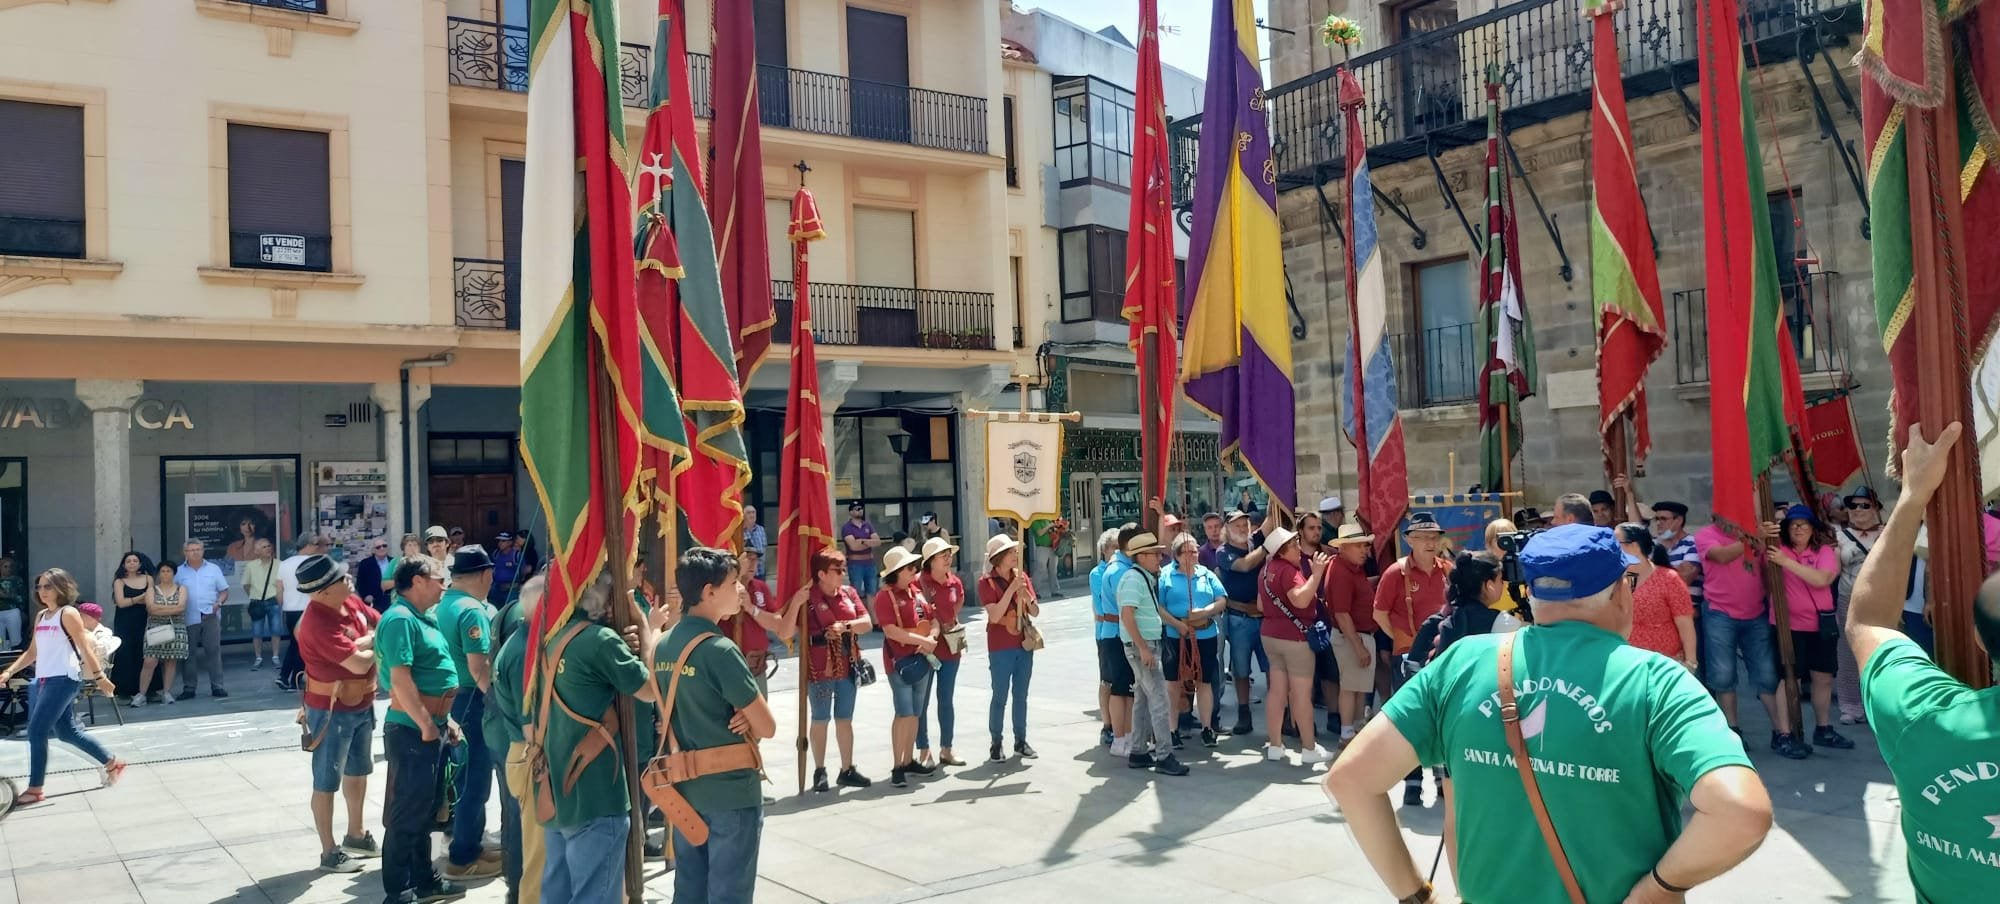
(596, 667)
(407, 637)
(1618, 736)
(1942, 742)
(715, 683)
(467, 622)
(502, 721)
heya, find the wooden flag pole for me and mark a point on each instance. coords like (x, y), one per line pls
(1774, 587)
(611, 497)
(1618, 462)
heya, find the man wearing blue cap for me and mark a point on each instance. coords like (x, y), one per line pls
(1616, 736)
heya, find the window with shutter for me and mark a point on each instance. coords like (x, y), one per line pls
(41, 179)
(279, 199)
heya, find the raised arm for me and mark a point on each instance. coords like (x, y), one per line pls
(1879, 590)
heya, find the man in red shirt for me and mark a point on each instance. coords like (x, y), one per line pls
(1350, 603)
(1412, 589)
(336, 641)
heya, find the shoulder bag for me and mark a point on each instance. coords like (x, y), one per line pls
(260, 607)
(1510, 716)
(953, 637)
(1319, 638)
(603, 734)
(910, 667)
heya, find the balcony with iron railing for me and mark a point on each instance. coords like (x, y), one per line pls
(297, 6)
(1427, 93)
(1436, 367)
(1810, 306)
(492, 55)
(487, 296)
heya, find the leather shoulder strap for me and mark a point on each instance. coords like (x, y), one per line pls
(667, 742)
(547, 678)
(1510, 716)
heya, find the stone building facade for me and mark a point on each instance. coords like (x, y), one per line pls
(1832, 306)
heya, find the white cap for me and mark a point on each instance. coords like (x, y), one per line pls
(1330, 504)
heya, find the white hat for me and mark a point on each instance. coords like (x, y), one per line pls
(1278, 539)
(936, 546)
(1330, 504)
(999, 543)
(897, 559)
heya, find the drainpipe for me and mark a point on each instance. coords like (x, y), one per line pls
(441, 359)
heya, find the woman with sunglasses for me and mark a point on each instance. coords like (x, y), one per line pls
(64, 658)
(1855, 539)
(1662, 608)
(1811, 567)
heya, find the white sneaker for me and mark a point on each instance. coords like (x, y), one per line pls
(138, 701)
(257, 663)
(1315, 756)
(1121, 746)
(1274, 754)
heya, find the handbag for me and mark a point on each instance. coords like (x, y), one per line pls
(159, 634)
(1319, 637)
(910, 667)
(858, 666)
(1510, 716)
(954, 638)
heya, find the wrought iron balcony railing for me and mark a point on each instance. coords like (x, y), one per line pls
(1437, 366)
(487, 296)
(1428, 91)
(297, 6)
(1810, 306)
(492, 55)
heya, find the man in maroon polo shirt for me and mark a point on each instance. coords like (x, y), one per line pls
(336, 641)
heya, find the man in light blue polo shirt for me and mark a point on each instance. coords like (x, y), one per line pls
(1114, 677)
(207, 590)
(1139, 630)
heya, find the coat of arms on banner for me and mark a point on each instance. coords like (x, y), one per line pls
(1033, 450)
(1024, 466)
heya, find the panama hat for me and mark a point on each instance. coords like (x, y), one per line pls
(1143, 541)
(935, 546)
(1278, 539)
(896, 560)
(1352, 533)
(997, 544)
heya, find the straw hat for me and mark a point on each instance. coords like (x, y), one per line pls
(1278, 539)
(1351, 533)
(1144, 541)
(935, 546)
(897, 559)
(999, 543)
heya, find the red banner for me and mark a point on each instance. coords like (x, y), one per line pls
(1836, 449)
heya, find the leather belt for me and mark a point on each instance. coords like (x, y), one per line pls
(333, 690)
(438, 707)
(1108, 619)
(1248, 610)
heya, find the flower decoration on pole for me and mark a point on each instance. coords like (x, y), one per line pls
(1342, 31)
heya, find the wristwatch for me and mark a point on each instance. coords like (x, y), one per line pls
(1421, 896)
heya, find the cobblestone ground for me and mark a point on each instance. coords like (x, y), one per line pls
(216, 810)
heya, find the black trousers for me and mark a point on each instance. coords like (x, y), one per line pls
(292, 671)
(409, 810)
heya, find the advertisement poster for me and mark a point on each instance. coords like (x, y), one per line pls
(229, 524)
(352, 518)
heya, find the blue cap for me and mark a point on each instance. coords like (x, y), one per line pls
(1803, 513)
(1572, 562)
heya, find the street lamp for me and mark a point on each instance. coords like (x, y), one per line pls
(899, 442)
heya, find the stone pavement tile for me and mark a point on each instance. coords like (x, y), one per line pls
(136, 840)
(924, 863)
(821, 875)
(203, 875)
(7, 893)
(106, 883)
(253, 821)
(51, 841)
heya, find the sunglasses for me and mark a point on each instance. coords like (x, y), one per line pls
(1861, 506)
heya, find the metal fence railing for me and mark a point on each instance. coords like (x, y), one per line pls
(1810, 305)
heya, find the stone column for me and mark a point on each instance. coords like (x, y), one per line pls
(388, 398)
(981, 388)
(110, 403)
(835, 379)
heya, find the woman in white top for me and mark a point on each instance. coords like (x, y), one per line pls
(64, 657)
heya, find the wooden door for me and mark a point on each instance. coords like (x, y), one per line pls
(483, 504)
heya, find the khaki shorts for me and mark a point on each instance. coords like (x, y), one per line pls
(1357, 673)
(1291, 657)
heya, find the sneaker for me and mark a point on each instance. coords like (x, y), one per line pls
(1274, 754)
(185, 694)
(157, 697)
(994, 754)
(1852, 719)
(1827, 737)
(361, 848)
(1315, 756)
(218, 692)
(1413, 794)
(819, 781)
(137, 702)
(1140, 761)
(1208, 738)
(947, 759)
(1024, 751)
(472, 872)
(169, 700)
(442, 891)
(1176, 736)
(1170, 766)
(1104, 738)
(1789, 747)
(282, 684)
(896, 778)
(917, 767)
(257, 663)
(852, 778)
(1122, 746)
(337, 861)
(1242, 726)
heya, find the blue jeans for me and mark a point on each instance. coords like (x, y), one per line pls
(51, 716)
(946, 686)
(475, 778)
(510, 831)
(862, 575)
(832, 699)
(1011, 670)
(723, 871)
(1920, 631)
(586, 863)
(1722, 638)
(271, 626)
(910, 699)
(1245, 639)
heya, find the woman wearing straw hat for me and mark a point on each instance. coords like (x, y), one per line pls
(1289, 593)
(1009, 598)
(947, 593)
(909, 654)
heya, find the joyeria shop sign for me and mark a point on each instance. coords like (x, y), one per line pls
(63, 414)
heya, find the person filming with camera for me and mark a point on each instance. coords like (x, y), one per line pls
(1617, 737)
(1937, 734)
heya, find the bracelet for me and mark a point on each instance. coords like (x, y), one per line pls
(1421, 896)
(1669, 886)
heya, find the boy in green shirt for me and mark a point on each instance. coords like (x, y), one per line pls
(716, 706)
(1938, 735)
(414, 667)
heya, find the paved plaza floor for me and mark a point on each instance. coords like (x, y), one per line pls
(215, 810)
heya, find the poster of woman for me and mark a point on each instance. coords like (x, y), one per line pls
(230, 524)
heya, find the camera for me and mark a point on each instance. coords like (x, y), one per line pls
(1510, 565)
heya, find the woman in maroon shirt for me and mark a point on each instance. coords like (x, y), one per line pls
(946, 593)
(1009, 598)
(1289, 592)
(909, 624)
(836, 616)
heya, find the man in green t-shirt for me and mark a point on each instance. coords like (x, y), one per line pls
(1617, 737)
(593, 811)
(413, 665)
(520, 842)
(1940, 737)
(467, 622)
(716, 708)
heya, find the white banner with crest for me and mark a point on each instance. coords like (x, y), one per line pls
(1023, 469)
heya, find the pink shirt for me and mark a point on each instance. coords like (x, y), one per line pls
(1803, 601)
(1735, 589)
(1991, 526)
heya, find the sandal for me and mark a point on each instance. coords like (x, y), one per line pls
(113, 771)
(28, 798)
